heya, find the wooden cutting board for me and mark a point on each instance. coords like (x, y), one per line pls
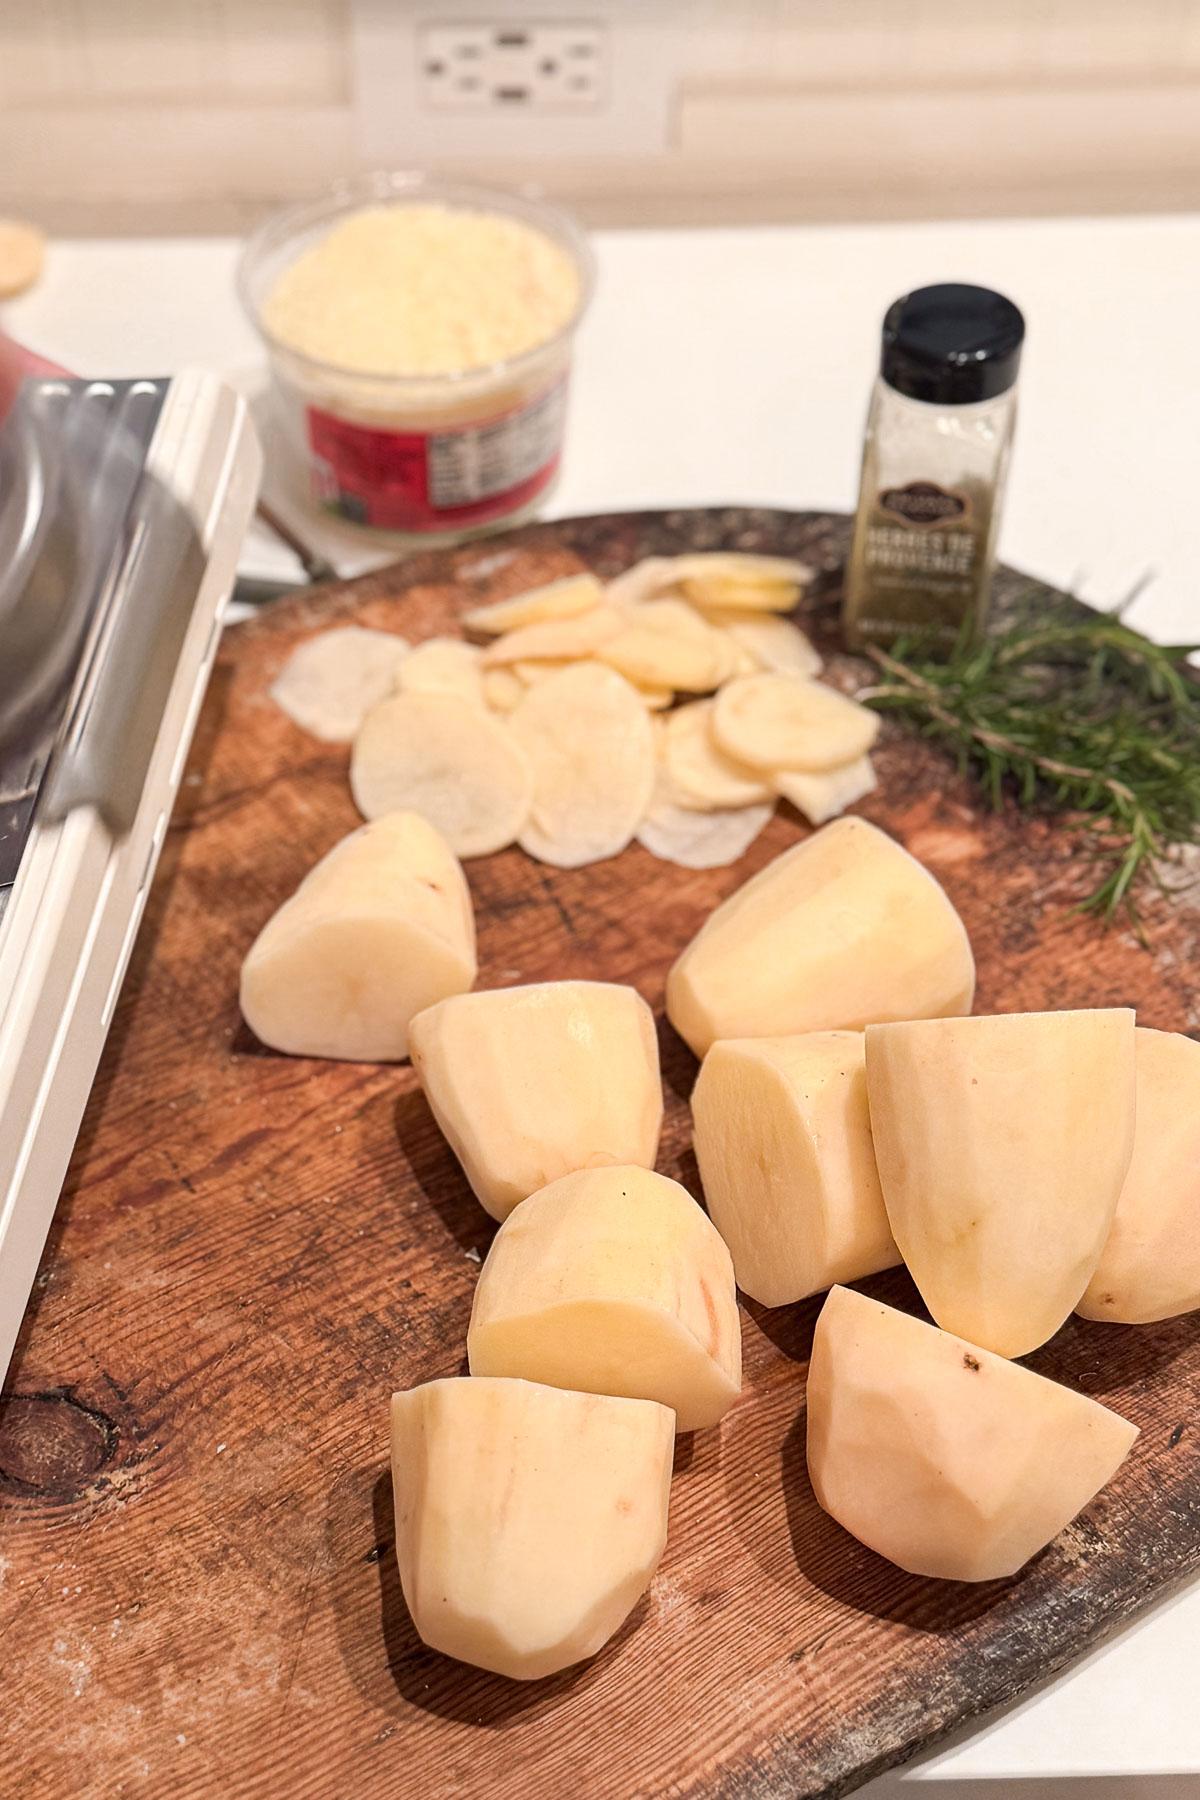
(198, 1591)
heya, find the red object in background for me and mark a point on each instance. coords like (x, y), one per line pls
(16, 365)
(466, 474)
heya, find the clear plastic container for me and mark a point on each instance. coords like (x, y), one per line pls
(429, 458)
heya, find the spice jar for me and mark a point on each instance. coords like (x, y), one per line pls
(935, 457)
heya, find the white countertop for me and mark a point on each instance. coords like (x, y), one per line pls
(727, 365)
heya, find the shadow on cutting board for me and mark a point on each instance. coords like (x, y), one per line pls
(436, 1170)
(847, 1571)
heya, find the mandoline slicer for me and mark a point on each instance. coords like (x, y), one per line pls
(123, 505)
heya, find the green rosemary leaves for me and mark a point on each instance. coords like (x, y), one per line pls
(1074, 713)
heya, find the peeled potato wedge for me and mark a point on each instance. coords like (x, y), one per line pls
(380, 929)
(612, 1281)
(843, 929)
(454, 763)
(529, 1521)
(783, 1141)
(1002, 1143)
(563, 599)
(1149, 1268)
(948, 1460)
(330, 682)
(443, 665)
(588, 741)
(784, 722)
(530, 1083)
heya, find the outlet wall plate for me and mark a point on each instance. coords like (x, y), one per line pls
(411, 106)
(502, 67)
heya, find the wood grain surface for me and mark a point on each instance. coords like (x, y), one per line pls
(198, 1591)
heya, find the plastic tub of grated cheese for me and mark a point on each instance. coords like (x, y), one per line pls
(419, 335)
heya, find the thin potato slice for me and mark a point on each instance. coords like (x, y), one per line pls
(747, 596)
(443, 665)
(703, 775)
(741, 582)
(563, 599)
(654, 699)
(732, 659)
(729, 658)
(741, 660)
(668, 644)
(330, 683)
(502, 689)
(450, 761)
(589, 741)
(530, 673)
(556, 639)
(783, 722)
(744, 567)
(657, 659)
(641, 582)
(822, 797)
(700, 840)
(772, 642)
(669, 614)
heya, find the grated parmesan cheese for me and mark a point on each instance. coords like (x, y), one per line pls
(423, 290)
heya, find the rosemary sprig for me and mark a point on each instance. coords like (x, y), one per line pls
(1073, 713)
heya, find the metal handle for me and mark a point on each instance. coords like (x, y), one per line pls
(104, 754)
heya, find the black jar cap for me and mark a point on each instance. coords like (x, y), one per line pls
(952, 344)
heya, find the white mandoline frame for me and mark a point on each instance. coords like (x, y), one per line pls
(70, 924)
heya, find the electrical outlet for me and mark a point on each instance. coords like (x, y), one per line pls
(514, 84)
(502, 66)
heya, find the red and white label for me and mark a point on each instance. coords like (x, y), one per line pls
(437, 480)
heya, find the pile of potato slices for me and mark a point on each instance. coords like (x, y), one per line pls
(673, 705)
